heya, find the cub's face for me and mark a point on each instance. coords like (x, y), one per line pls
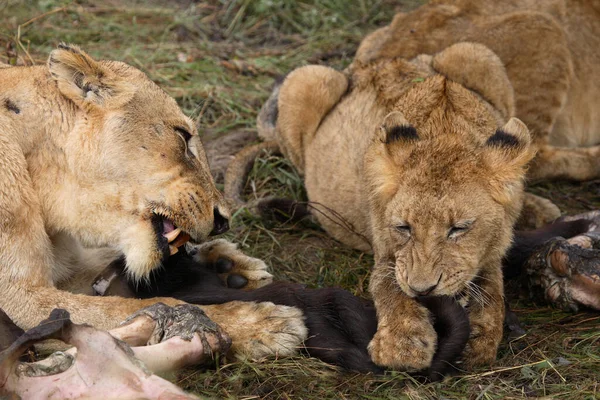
(438, 239)
(444, 190)
(141, 181)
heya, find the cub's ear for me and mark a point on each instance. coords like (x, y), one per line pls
(478, 68)
(396, 130)
(392, 144)
(506, 154)
(86, 81)
(306, 96)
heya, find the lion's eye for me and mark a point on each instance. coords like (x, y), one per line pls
(403, 228)
(456, 230)
(184, 133)
(459, 229)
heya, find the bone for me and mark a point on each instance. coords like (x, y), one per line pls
(179, 336)
(175, 353)
(586, 290)
(135, 332)
(98, 367)
(582, 241)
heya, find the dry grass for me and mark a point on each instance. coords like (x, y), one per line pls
(218, 59)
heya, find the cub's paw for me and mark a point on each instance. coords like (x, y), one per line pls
(408, 345)
(482, 347)
(236, 269)
(259, 330)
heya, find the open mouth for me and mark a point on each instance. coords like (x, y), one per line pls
(169, 234)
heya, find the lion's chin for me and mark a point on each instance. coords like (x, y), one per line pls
(147, 244)
(143, 252)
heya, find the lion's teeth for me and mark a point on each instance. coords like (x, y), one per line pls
(172, 235)
(173, 249)
(181, 240)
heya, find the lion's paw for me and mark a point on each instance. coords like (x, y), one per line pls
(536, 212)
(409, 346)
(235, 268)
(482, 347)
(260, 330)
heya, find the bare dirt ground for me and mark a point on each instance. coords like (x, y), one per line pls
(219, 58)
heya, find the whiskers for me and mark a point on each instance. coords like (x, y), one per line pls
(477, 293)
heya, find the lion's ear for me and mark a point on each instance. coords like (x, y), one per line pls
(306, 96)
(392, 144)
(86, 81)
(478, 68)
(396, 130)
(507, 153)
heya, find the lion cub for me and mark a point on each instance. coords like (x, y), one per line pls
(413, 152)
(425, 161)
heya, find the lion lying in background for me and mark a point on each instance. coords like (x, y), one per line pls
(416, 147)
(97, 162)
(548, 49)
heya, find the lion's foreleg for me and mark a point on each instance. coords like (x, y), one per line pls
(405, 337)
(486, 315)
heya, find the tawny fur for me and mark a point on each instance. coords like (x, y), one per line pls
(445, 177)
(91, 151)
(549, 50)
(456, 71)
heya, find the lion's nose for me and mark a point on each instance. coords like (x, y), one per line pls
(220, 224)
(422, 291)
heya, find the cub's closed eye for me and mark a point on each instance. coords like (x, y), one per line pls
(184, 133)
(456, 229)
(459, 229)
(403, 228)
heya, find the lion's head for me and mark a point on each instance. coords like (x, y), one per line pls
(445, 174)
(131, 171)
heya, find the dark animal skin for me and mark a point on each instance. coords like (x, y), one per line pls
(340, 324)
(9, 332)
(526, 242)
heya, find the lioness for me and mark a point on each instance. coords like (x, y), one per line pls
(97, 161)
(414, 151)
(549, 51)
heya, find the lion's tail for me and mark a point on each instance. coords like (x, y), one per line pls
(272, 208)
(239, 168)
(282, 210)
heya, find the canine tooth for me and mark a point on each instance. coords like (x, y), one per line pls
(172, 235)
(173, 249)
(181, 240)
